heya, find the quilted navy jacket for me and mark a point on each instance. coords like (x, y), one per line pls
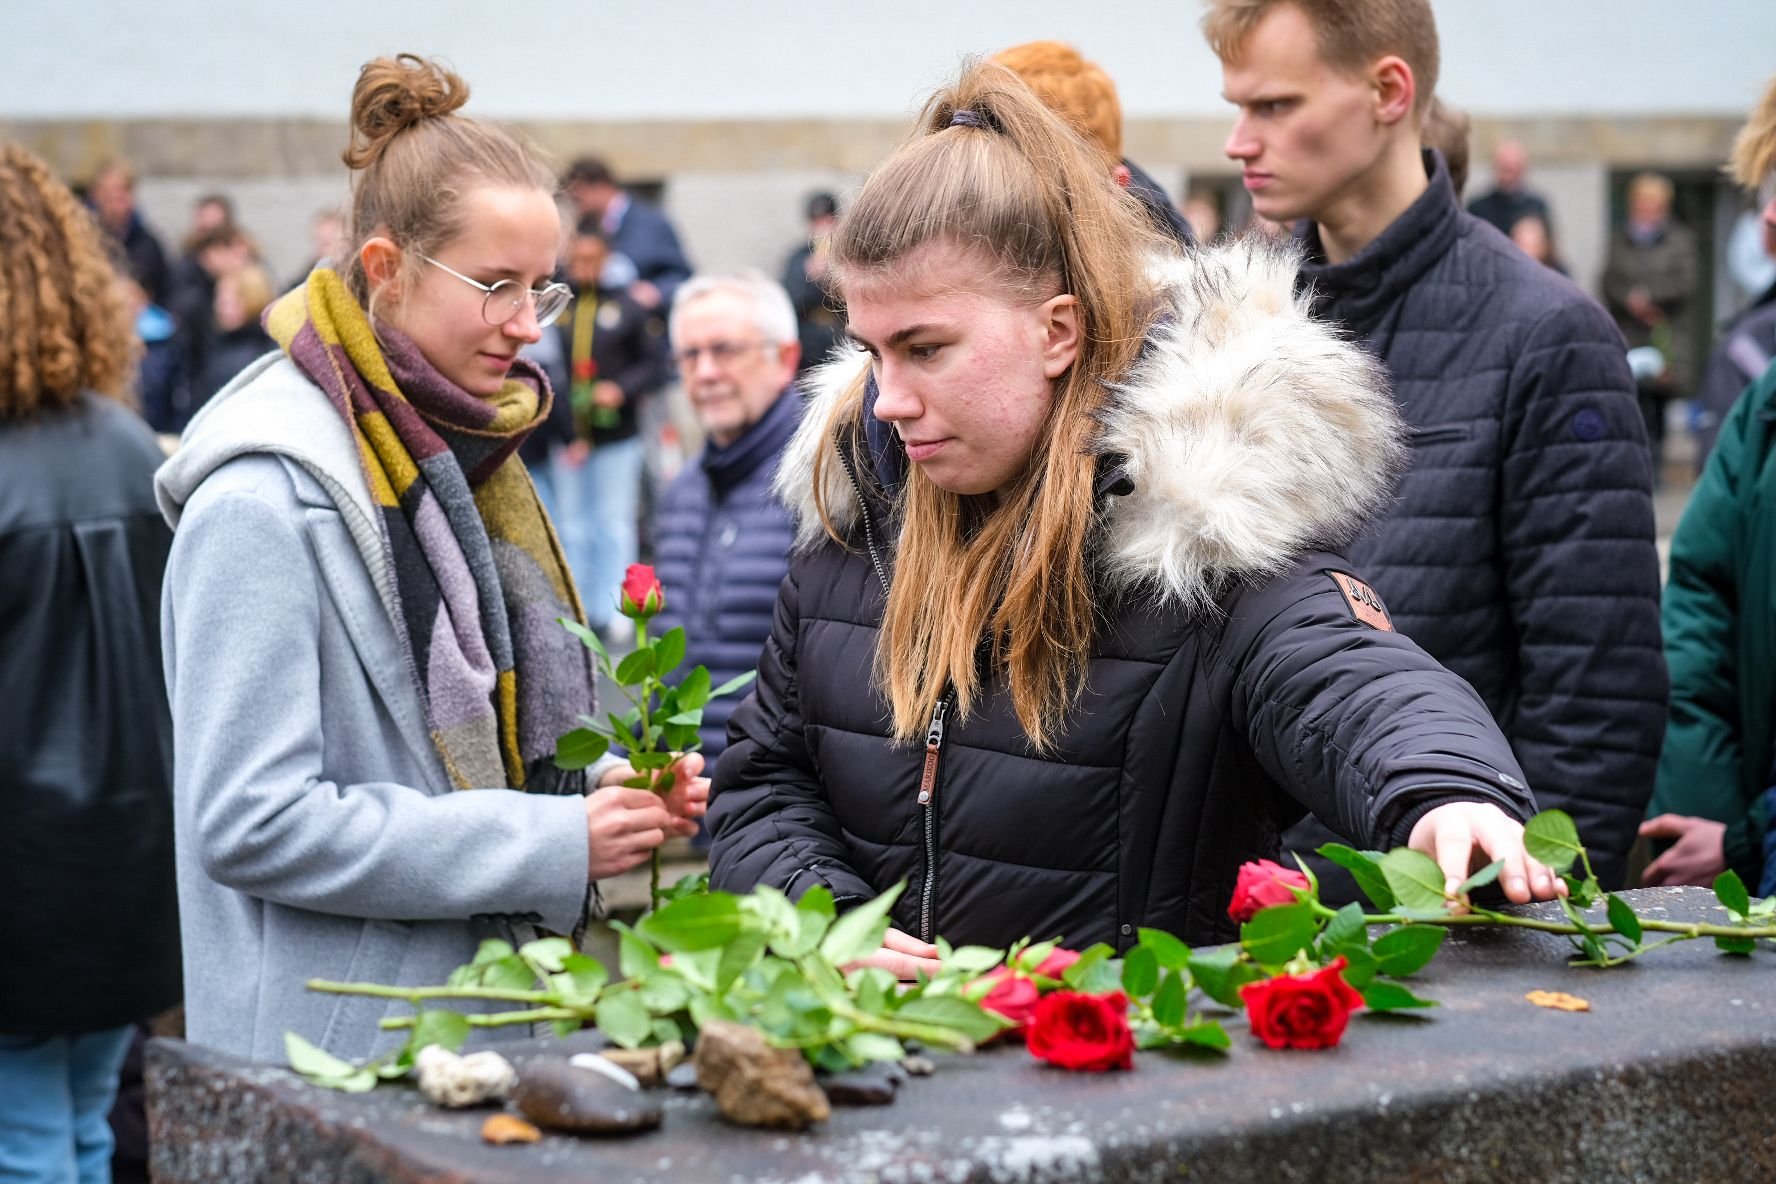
(1519, 550)
(721, 545)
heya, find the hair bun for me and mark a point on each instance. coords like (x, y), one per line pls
(394, 94)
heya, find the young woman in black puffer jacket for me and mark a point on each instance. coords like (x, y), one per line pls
(1067, 639)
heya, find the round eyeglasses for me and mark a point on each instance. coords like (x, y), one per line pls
(504, 300)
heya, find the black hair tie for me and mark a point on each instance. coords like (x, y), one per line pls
(967, 118)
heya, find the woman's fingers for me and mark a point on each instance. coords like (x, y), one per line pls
(904, 967)
(906, 943)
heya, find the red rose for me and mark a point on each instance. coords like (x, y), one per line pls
(642, 595)
(1301, 1011)
(1013, 996)
(1261, 885)
(1076, 1031)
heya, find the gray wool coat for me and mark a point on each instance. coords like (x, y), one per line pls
(316, 833)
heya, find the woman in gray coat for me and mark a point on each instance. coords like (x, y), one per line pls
(366, 674)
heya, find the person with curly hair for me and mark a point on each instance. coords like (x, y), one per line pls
(89, 927)
(363, 649)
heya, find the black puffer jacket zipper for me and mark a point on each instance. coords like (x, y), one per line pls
(934, 735)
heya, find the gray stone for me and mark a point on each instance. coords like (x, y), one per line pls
(683, 1076)
(563, 1097)
(871, 1085)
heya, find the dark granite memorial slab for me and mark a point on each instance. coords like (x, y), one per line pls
(1669, 1077)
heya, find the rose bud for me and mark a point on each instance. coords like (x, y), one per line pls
(1261, 885)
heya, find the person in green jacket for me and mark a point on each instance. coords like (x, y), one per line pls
(1720, 624)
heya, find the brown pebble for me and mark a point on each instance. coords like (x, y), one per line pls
(754, 1083)
(501, 1129)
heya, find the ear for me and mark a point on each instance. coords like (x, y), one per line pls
(1396, 90)
(1061, 338)
(382, 264)
(789, 356)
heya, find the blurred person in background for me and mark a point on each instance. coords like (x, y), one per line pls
(646, 258)
(721, 540)
(1450, 131)
(89, 925)
(1713, 802)
(1202, 214)
(210, 213)
(220, 252)
(163, 375)
(1519, 547)
(112, 195)
(1083, 95)
(820, 319)
(1533, 237)
(234, 338)
(1510, 197)
(326, 239)
(608, 360)
(1649, 286)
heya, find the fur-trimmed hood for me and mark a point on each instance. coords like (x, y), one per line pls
(1249, 432)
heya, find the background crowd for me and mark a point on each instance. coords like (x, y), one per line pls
(677, 392)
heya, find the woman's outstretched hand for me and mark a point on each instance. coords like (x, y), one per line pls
(1453, 834)
(902, 955)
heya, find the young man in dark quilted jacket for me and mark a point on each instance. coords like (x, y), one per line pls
(1519, 550)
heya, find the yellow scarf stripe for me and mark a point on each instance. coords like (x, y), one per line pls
(506, 688)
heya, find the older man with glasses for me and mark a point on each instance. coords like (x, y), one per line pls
(722, 540)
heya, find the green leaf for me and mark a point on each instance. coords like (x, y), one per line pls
(492, 950)
(954, 1013)
(699, 967)
(694, 923)
(682, 737)
(635, 957)
(1392, 997)
(1404, 951)
(1415, 879)
(1345, 928)
(664, 993)
(1093, 973)
(547, 955)
(440, 1026)
(311, 1060)
(1206, 1034)
(665, 1029)
(636, 667)
(1575, 913)
(669, 651)
(1581, 890)
(579, 748)
(872, 988)
(580, 980)
(1360, 966)
(1551, 838)
(692, 885)
(692, 718)
(1622, 918)
(818, 899)
(511, 973)
(859, 932)
(969, 961)
(865, 1047)
(1365, 867)
(587, 638)
(693, 692)
(1169, 1000)
(1736, 945)
(623, 1017)
(1481, 878)
(1277, 934)
(733, 684)
(1140, 972)
(737, 958)
(1219, 973)
(1171, 953)
(1729, 889)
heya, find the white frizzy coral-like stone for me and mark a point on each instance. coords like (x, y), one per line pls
(454, 1081)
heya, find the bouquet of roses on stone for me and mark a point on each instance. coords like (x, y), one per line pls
(758, 980)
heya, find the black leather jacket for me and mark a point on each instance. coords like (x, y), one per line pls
(89, 933)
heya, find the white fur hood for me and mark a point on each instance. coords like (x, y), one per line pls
(1249, 431)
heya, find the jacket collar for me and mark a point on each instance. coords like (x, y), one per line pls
(1247, 433)
(726, 467)
(1359, 292)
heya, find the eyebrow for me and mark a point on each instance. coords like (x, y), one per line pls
(898, 337)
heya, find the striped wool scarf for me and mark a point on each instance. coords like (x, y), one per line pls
(478, 573)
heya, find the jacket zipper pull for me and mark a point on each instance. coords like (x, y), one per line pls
(933, 746)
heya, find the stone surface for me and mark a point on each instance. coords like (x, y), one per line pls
(871, 1085)
(683, 1076)
(1667, 1078)
(564, 1097)
(454, 1081)
(755, 1084)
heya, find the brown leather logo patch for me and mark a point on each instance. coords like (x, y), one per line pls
(1365, 605)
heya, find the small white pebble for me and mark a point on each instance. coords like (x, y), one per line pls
(450, 1080)
(610, 1069)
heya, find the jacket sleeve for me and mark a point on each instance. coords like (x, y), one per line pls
(242, 620)
(1356, 722)
(1702, 765)
(771, 821)
(1581, 575)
